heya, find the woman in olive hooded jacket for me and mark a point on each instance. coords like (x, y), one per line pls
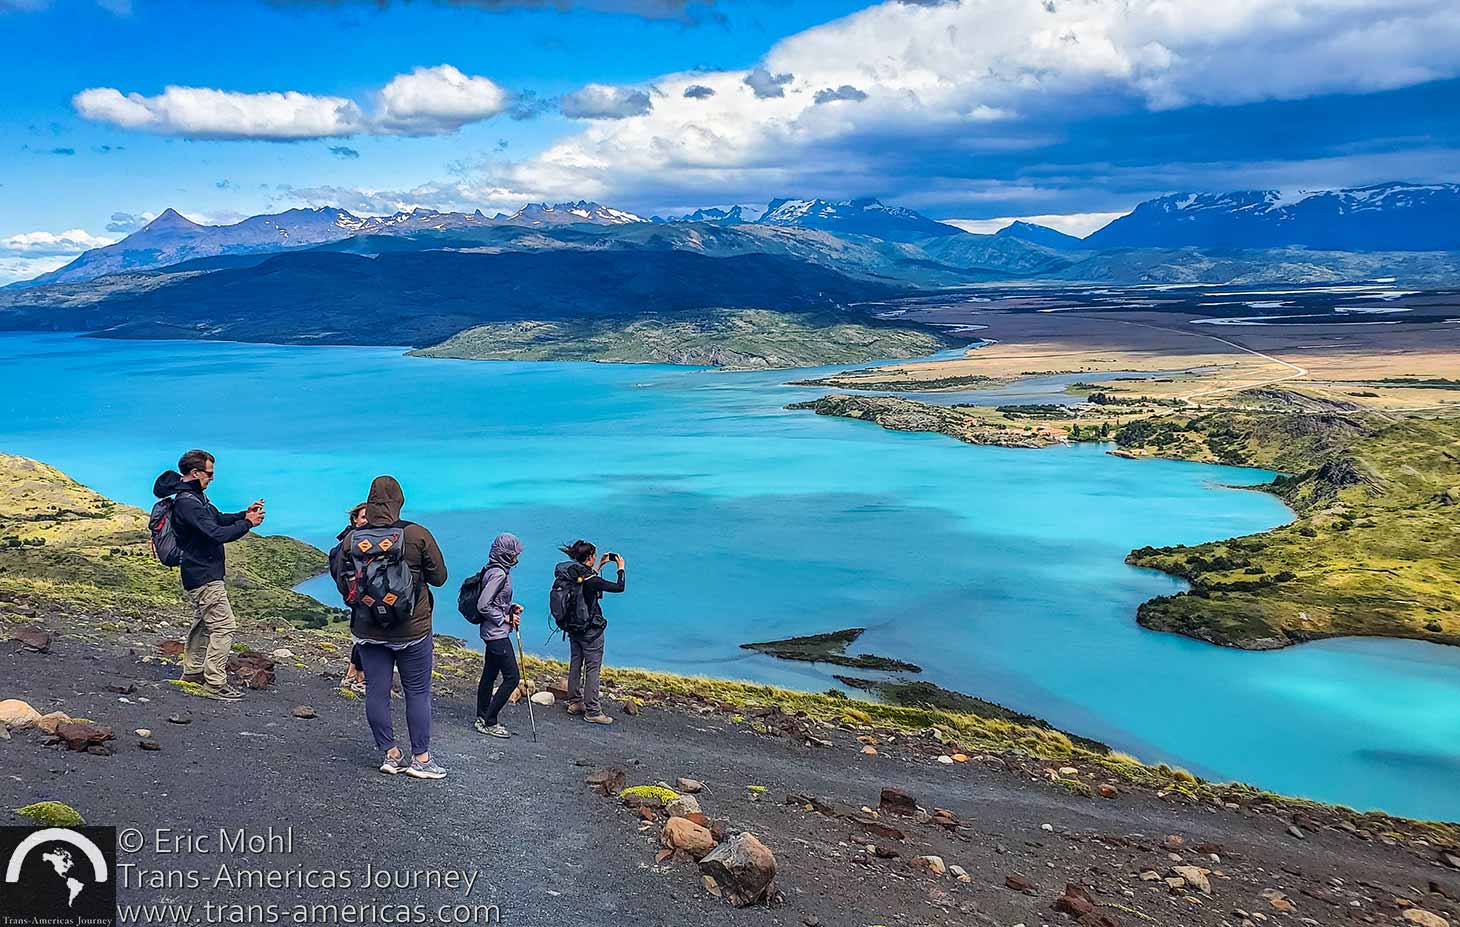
(405, 648)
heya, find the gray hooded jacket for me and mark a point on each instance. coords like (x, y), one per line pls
(495, 602)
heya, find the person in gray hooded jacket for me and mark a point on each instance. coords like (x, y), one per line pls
(500, 617)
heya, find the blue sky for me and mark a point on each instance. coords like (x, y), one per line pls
(974, 110)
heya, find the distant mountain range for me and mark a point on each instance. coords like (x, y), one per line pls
(863, 238)
(1385, 217)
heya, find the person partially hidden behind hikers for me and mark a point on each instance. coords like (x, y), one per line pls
(576, 607)
(201, 531)
(500, 616)
(385, 575)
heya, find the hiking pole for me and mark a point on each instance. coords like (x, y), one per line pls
(522, 674)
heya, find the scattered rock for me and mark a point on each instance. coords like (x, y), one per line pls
(32, 639)
(877, 828)
(630, 707)
(16, 714)
(683, 834)
(869, 750)
(122, 688)
(933, 864)
(304, 711)
(711, 885)
(1174, 841)
(1106, 790)
(1277, 900)
(896, 801)
(1295, 831)
(607, 781)
(546, 699)
(181, 718)
(83, 735)
(946, 760)
(1020, 884)
(1424, 918)
(283, 653)
(1076, 902)
(253, 669)
(682, 807)
(689, 786)
(1451, 859)
(959, 873)
(944, 819)
(1194, 877)
(743, 867)
(149, 745)
(171, 648)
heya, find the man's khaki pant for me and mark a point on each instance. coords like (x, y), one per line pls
(211, 638)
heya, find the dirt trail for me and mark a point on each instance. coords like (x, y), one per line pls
(551, 852)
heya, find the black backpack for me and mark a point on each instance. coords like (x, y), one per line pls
(163, 538)
(470, 594)
(568, 607)
(373, 575)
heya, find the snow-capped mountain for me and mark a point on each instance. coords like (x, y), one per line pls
(541, 214)
(735, 215)
(1384, 217)
(1036, 234)
(171, 238)
(855, 217)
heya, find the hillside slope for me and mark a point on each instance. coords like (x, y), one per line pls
(59, 538)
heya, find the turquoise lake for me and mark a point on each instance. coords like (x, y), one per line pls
(999, 571)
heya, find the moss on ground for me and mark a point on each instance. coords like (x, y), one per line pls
(51, 814)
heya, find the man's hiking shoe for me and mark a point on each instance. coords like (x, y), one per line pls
(194, 678)
(426, 770)
(575, 708)
(223, 693)
(491, 730)
(599, 718)
(396, 764)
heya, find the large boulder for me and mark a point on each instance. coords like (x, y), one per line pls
(255, 670)
(16, 714)
(32, 639)
(743, 867)
(684, 834)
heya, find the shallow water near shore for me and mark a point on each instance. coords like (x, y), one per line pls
(998, 570)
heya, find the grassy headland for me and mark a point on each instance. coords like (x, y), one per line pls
(1371, 553)
(743, 339)
(62, 540)
(831, 648)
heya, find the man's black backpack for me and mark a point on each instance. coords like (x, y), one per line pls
(568, 607)
(470, 594)
(161, 534)
(373, 576)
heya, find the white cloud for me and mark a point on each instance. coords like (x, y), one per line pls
(36, 244)
(428, 101)
(201, 112)
(978, 76)
(602, 101)
(13, 269)
(434, 101)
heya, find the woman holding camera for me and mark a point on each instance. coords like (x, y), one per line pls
(587, 645)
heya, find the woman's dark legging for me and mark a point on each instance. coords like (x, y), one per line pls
(414, 666)
(500, 660)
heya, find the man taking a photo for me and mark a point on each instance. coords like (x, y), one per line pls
(201, 532)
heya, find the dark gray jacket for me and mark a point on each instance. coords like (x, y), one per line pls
(201, 529)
